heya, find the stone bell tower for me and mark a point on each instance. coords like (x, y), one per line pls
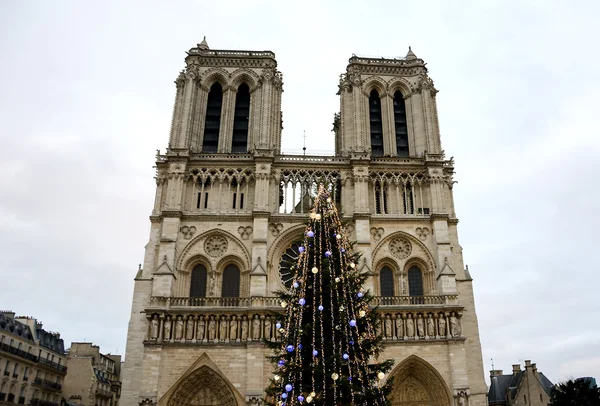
(230, 209)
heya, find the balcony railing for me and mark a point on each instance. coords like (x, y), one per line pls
(104, 392)
(52, 364)
(40, 402)
(20, 353)
(47, 384)
(168, 302)
(273, 302)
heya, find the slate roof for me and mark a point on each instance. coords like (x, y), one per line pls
(501, 383)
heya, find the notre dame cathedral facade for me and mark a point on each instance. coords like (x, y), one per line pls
(230, 208)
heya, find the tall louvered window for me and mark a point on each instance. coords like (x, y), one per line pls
(376, 125)
(241, 118)
(231, 282)
(400, 125)
(212, 124)
(198, 284)
(386, 282)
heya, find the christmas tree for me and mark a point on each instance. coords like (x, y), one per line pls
(328, 343)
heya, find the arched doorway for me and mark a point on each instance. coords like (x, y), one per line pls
(417, 383)
(203, 387)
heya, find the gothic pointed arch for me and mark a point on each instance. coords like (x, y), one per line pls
(243, 75)
(222, 245)
(375, 83)
(203, 384)
(278, 248)
(418, 383)
(406, 250)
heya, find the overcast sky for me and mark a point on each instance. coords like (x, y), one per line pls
(86, 93)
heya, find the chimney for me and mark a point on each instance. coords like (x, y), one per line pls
(516, 368)
(527, 363)
(534, 368)
(495, 372)
(9, 314)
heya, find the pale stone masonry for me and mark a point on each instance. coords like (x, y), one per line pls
(32, 362)
(230, 207)
(94, 379)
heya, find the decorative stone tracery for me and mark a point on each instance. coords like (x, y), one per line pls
(215, 246)
(400, 248)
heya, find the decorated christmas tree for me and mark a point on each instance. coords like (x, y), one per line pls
(328, 348)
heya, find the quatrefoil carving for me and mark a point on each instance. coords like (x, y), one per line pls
(245, 232)
(188, 231)
(377, 233)
(275, 228)
(422, 232)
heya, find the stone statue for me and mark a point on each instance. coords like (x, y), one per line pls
(420, 327)
(154, 327)
(212, 329)
(189, 328)
(233, 327)
(442, 325)
(410, 327)
(244, 335)
(399, 327)
(213, 282)
(430, 326)
(179, 328)
(388, 327)
(268, 328)
(223, 328)
(256, 328)
(167, 335)
(200, 329)
(454, 327)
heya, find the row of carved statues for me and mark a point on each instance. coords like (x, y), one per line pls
(237, 328)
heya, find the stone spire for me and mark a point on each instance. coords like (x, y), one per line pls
(203, 44)
(410, 54)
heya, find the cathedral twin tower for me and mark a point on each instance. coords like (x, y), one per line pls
(230, 209)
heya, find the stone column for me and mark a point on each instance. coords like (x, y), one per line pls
(227, 112)
(187, 108)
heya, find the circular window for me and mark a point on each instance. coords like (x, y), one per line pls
(288, 263)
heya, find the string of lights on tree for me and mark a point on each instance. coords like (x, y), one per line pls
(328, 348)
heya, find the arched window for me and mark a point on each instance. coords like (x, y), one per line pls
(241, 117)
(381, 198)
(400, 125)
(231, 282)
(386, 282)
(408, 198)
(212, 124)
(415, 281)
(376, 126)
(198, 284)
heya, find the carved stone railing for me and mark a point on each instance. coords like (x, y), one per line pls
(238, 302)
(400, 301)
(311, 159)
(237, 320)
(259, 302)
(224, 52)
